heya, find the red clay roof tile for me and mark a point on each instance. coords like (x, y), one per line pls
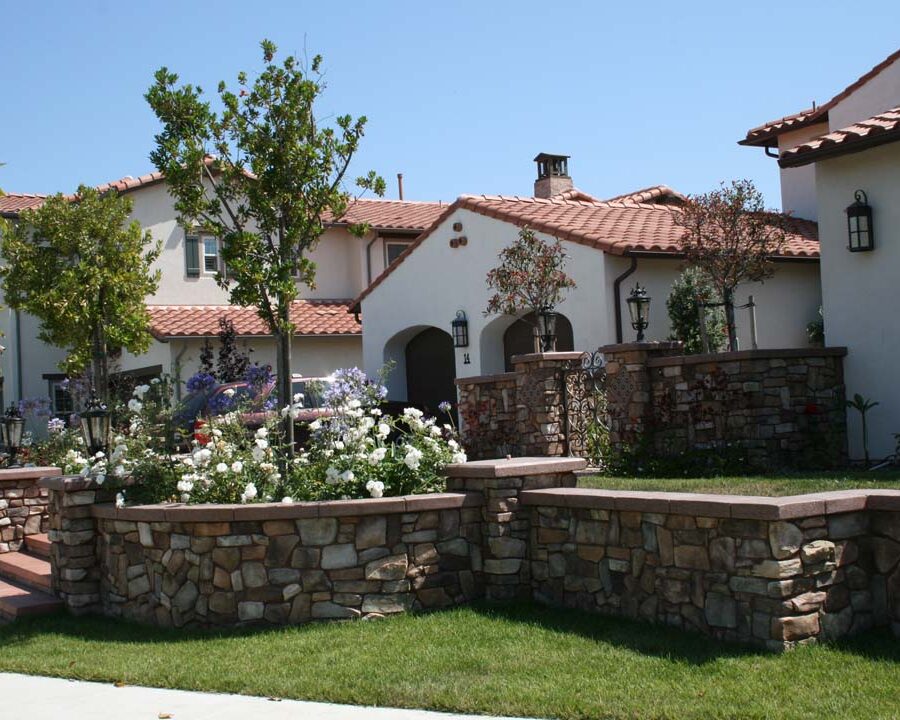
(401, 215)
(617, 227)
(310, 317)
(657, 194)
(12, 204)
(876, 130)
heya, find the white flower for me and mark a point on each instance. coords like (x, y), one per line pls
(452, 444)
(216, 433)
(287, 501)
(436, 431)
(119, 471)
(459, 457)
(332, 476)
(258, 454)
(348, 476)
(412, 413)
(120, 500)
(135, 405)
(237, 466)
(377, 455)
(353, 404)
(261, 443)
(315, 425)
(383, 430)
(140, 391)
(339, 445)
(249, 492)
(185, 485)
(375, 488)
(413, 457)
(229, 393)
(298, 397)
(100, 478)
(221, 468)
(262, 432)
(154, 381)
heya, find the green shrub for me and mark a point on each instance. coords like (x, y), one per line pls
(691, 287)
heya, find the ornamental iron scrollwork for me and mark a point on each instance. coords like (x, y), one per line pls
(583, 387)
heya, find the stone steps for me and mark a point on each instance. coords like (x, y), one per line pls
(17, 601)
(38, 545)
(24, 569)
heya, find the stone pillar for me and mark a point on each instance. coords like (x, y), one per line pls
(23, 505)
(505, 570)
(629, 396)
(74, 562)
(540, 424)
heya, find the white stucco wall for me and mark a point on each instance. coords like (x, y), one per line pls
(880, 93)
(860, 289)
(435, 281)
(798, 185)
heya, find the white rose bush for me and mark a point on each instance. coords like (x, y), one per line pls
(354, 450)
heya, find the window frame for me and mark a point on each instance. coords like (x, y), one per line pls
(201, 248)
(396, 242)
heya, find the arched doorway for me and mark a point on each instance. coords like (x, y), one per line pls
(430, 370)
(519, 337)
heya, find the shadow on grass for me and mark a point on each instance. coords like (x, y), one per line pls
(624, 633)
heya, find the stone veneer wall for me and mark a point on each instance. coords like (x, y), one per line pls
(770, 571)
(23, 505)
(214, 565)
(782, 407)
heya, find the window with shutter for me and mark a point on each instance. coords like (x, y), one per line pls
(192, 255)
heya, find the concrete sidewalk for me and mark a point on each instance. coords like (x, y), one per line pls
(41, 698)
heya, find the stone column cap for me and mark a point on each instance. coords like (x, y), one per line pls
(515, 467)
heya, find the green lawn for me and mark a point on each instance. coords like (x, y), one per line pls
(522, 660)
(751, 484)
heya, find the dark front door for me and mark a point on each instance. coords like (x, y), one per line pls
(430, 370)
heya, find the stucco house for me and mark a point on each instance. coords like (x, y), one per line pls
(826, 154)
(611, 245)
(186, 308)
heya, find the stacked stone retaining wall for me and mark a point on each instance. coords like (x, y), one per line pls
(23, 505)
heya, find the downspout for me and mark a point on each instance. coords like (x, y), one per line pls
(19, 354)
(369, 260)
(176, 370)
(617, 296)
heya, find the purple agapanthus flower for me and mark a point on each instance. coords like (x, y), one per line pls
(258, 376)
(445, 407)
(200, 382)
(351, 384)
(221, 403)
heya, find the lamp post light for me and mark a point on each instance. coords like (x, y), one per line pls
(859, 224)
(460, 326)
(639, 309)
(546, 318)
(13, 429)
(95, 426)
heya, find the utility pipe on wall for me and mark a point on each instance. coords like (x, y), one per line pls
(617, 296)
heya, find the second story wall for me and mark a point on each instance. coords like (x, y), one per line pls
(880, 93)
(798, 185)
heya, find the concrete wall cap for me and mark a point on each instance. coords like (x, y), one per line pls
(28, 473)
(547, 356)
(486, 379)
(773, 354)
(514, 467)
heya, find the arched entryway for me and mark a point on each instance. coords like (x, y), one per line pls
(430, 370)
(519, 337)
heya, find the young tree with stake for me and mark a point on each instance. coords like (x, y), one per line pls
(262, 174)
(731, 237)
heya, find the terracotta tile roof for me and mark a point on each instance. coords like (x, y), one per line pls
(310, 317)
(655, 194)
(618, 228)
(762, 134)
(129, 183)
(575, 194)
(876, 130)
(12, 204)
(401, 215)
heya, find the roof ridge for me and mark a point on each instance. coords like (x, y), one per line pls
(394, 200)
(24, 195)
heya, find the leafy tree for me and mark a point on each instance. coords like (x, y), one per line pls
(530, 276)
(262, 174)
(206, 358)
(691, 289)
(731, 237)
(83, 270)
(233, 363)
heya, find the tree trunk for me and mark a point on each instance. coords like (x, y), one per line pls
(284, 385)
(728, 298)
(100, 364)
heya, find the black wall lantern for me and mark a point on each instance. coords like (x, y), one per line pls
(95, 426)
(460, 330)
(639, 309)
(13, 429)
(859, 224)
(546, 317)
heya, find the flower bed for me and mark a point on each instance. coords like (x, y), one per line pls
(354, 450)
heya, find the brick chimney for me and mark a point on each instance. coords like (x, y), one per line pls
(552, 175)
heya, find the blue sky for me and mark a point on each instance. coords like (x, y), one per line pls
(460, 95)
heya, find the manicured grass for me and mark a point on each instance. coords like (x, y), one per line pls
(514, 660)
(751, 484)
